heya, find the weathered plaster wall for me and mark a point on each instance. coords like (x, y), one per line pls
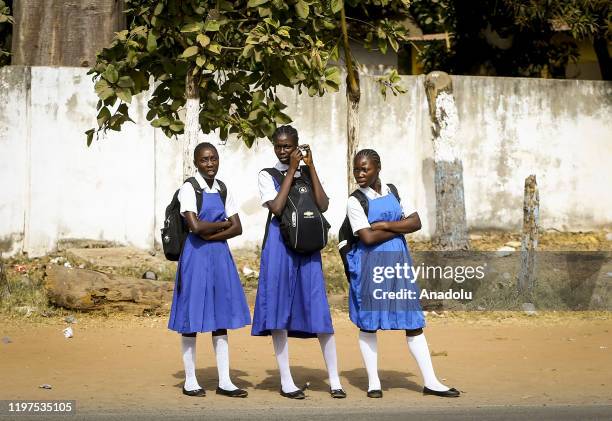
(54, 187)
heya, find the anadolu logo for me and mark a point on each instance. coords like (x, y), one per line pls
(293, 219)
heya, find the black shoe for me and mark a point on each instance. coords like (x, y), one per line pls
(337, 393)
(298, 394)
(237, 393)
(377, 393)
(450, 393)
(197, 392)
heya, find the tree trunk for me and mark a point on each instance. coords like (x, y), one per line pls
(353, 94)
(4, 286)
(451, 227)
(600, 45)
(529, 245)
(192, 124)
(87, 290)
(352, 132)
(60, 33)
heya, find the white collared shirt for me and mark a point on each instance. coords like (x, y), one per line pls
(187, 196)
(358, 218)
(267, 191)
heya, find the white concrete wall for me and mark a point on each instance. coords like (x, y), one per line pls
(54, 187)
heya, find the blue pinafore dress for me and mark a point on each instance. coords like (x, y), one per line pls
(369, 309)
(291, 290)
(209, 295)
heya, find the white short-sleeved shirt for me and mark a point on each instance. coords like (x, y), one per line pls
(358, 218)
(187, 196)
(267, 191)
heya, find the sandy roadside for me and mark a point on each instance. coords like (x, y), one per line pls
(133, 363)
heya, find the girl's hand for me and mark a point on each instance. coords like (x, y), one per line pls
(225, 225)
(295, 158)
(379, 226)
(308, 157)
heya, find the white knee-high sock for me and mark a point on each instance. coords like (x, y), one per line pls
(369, 352)
(420, 352)
(221, 347)
(281, 349)
(328, 347)
(188, 344)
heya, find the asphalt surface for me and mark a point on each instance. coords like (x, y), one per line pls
(492, 413)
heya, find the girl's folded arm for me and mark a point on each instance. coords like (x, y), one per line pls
(412, 223)
(203, 228)
(369, 237)
(234, 230)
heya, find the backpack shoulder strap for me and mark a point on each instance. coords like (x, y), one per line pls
(198, 191)
(362, 199)
(276, 175)
(263, 243)
(223, 191)
(395, 192)
(305, 174)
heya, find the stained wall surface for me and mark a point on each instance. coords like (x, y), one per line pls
(54, 187)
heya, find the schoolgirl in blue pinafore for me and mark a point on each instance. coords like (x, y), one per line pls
(390, 314)
(291, 298)
(291, 291)
(208, 295)
(381, 246)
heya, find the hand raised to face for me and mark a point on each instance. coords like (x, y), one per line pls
(307, 155)
(295, 158)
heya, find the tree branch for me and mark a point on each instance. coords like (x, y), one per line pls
(348, 58)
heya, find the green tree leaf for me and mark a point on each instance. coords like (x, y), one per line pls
(103, 89)
(302, 9)
(203, 40)
(336, 5)
(192, 27)
(103, 116)
(177, 126)
(111, 74)
(212, 26)
(159, 8)
(190, 51)
(256, 3)
(213, 47)
(89, 133)
(124, 95)
(282, 118)
(125, 82)
(151, 42)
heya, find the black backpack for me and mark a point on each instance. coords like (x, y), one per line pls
(346, 239)
(303, 226)
(175, 230)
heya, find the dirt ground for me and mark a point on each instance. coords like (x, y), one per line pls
(131, 364)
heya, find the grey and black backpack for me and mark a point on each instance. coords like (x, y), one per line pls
(302, 224)
(175, 231)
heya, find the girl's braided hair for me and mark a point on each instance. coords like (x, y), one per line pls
(288, 131)
(370, 154)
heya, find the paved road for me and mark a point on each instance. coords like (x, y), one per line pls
(489, 413)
